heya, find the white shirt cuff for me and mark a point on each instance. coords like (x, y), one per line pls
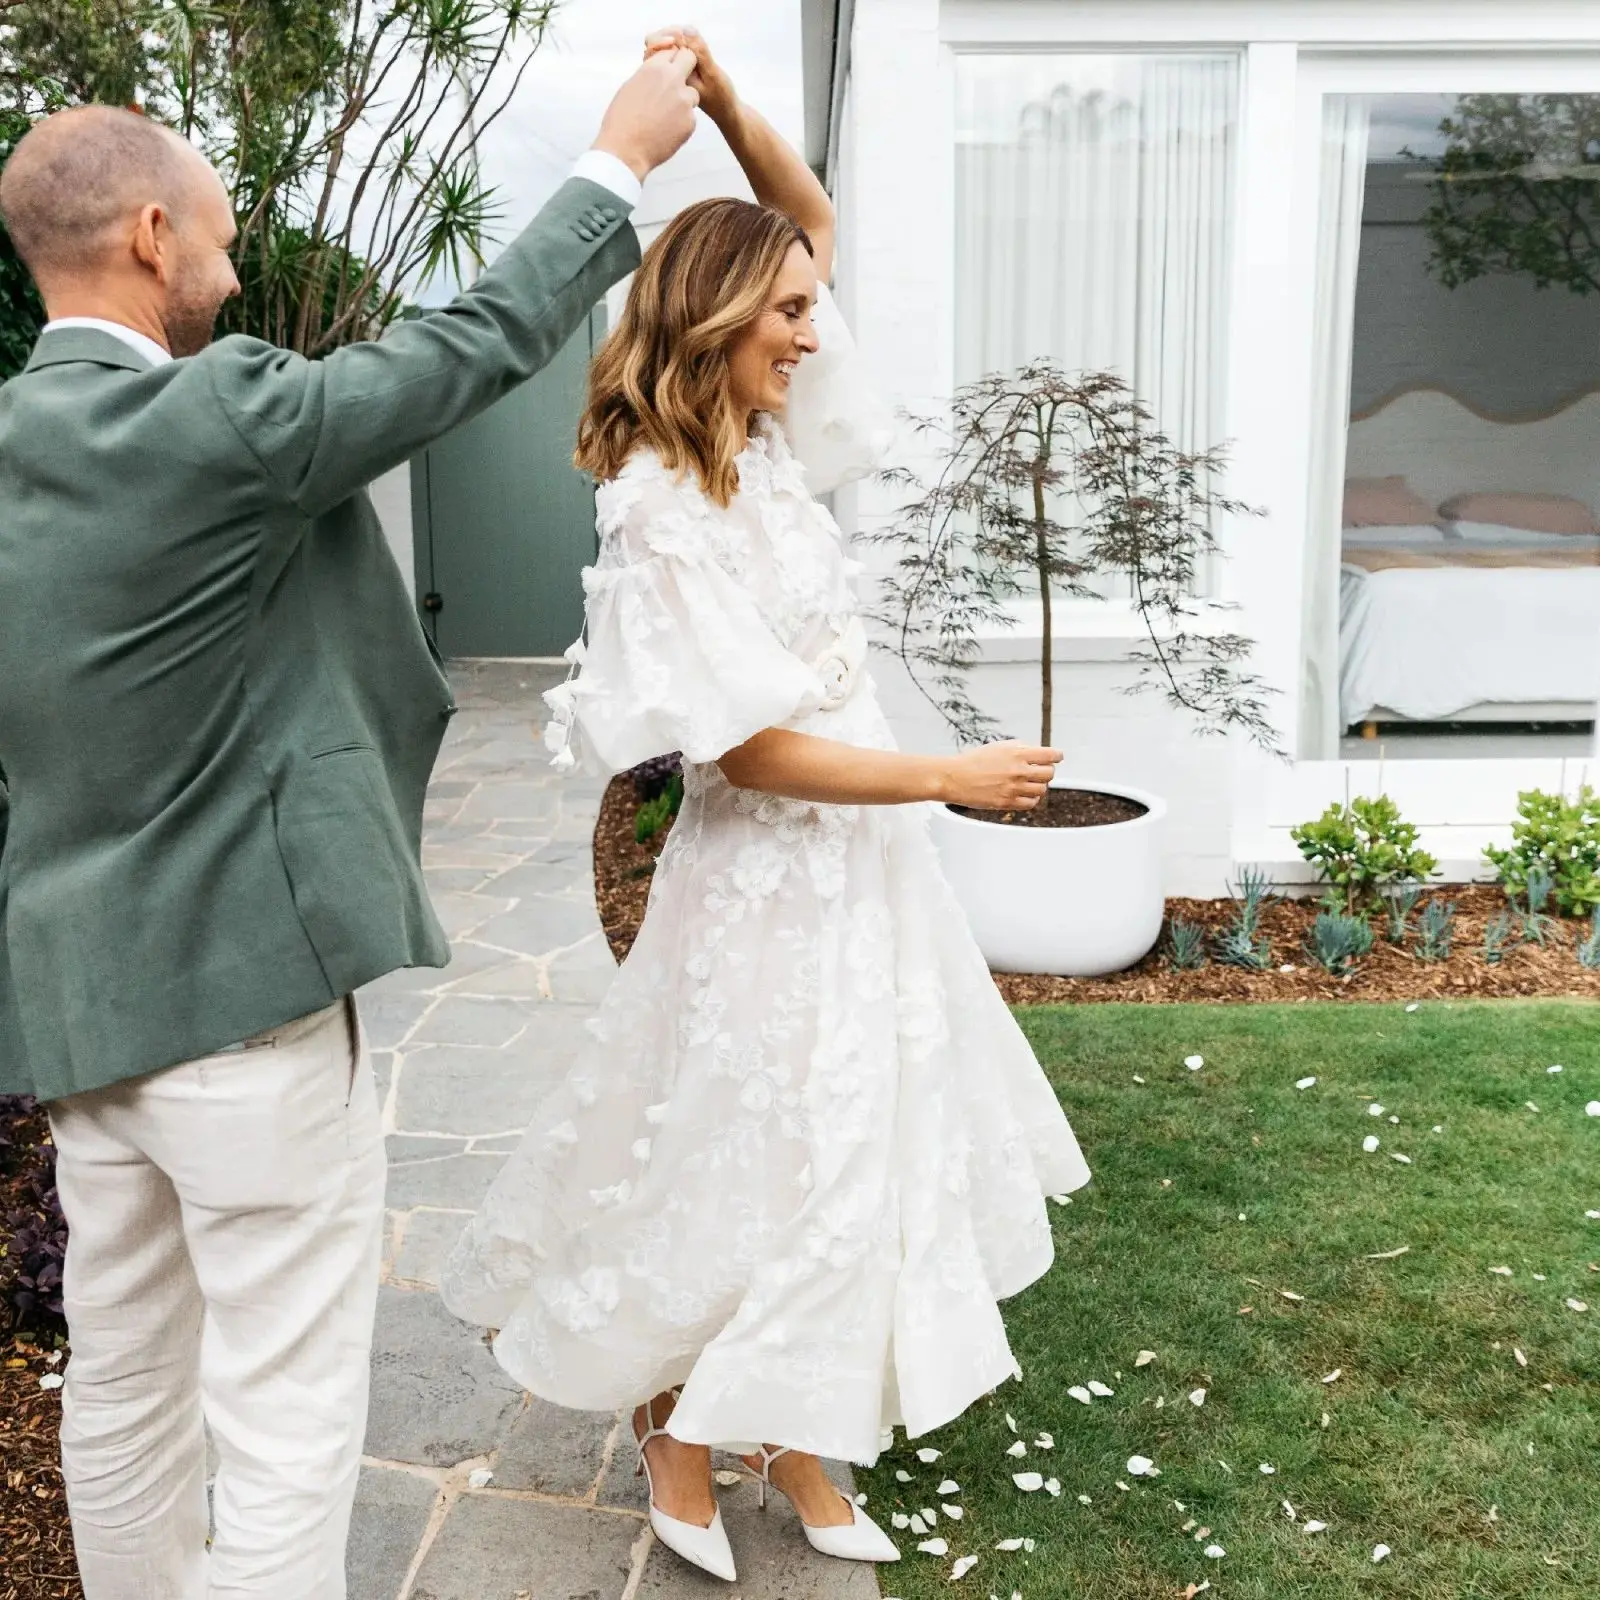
(610, 172)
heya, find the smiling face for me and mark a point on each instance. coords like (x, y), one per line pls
(761, 361)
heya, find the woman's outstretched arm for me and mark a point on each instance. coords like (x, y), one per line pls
(991, 777)
(776, 171)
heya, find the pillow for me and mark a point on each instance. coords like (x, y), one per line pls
(1538, 513)
(1497, 533)
(1419, 533)
(1385, 503)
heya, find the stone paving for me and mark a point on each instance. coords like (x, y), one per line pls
(463, 1055)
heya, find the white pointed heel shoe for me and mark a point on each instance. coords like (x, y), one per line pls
(859, 1540)
(706, 1548)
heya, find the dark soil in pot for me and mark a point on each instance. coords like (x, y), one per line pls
(1065, 808)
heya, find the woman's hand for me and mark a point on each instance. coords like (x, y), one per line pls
(717, 97)
(1005, 776)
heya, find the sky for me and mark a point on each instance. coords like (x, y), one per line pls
(592, 45)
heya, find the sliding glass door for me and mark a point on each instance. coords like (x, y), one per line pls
(1452, 575)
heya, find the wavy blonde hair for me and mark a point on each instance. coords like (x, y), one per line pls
(661, 378)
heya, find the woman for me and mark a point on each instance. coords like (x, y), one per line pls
(807, 1152)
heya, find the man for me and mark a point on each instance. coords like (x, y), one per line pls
(218, 714)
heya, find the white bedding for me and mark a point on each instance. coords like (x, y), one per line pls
(1429, 642)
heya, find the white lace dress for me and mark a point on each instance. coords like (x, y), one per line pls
(807, 1150)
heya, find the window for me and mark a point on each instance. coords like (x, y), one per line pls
(1454, 571)
(1094, 211)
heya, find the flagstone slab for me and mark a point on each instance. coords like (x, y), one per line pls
(456, 1020)
(450, 1183)
(438, 1395)
(540, 924)
(460, 1089)
(426, 1240)
(554, 1451)
(390, 1516)
(496, 1547)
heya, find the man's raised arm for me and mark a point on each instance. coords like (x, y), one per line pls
(323, 429)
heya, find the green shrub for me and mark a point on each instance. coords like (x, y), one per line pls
(1361, 848)
(1436, 931)
(654, 815)
(1186, 945)
(1241, 943)
(1560, 836)
(1337, 942)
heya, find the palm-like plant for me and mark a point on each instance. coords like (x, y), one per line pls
(346, 130)
(1043, 481)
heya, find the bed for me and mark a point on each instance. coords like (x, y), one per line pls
(1471, 621)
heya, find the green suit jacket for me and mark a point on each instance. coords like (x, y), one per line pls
(218, 710)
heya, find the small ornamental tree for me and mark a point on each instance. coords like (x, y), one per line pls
(1044, 481)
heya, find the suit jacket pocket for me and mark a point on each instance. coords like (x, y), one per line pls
(356, 884)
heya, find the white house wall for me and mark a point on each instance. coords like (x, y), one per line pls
(1229, 804)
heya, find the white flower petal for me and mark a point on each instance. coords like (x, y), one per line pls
(930, 1516)
(1197, 1397)
(1304, 1083)
(1084, 1500)
(899, 1520)
(1592, 1109)
(1028, 1482)
(901, 1475)
(1052, 1487)
(1096, 1387)
(479, 1478)
(1080, 1394)
(1145, 1357)
(1413, 1006)
(949, 1486)
(925, 1454)
(1215, 1551)
(1267, 1469)
(955, 1513)
(934, 1547)
(962, 1568)
(1288, 1510)
(1370, 1143)
(1137, 1078)
(1374, 1110)
(1009, 1544)
(1011, 1422)
(1405, 1161)
(1313, 1526)
(1138, 1466)
(1555, 1068)
(1501, 1272)
(1577, 1305)
(1017, 1449)
(1379, 1551)
(1194, 1063)
(51, 1380)
(1045, 1441)
(918, 1526)
(1334, 1376)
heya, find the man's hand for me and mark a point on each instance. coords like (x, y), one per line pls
(715, 88)
(652, 115)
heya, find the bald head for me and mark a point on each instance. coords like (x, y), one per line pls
(78, 177)
(118, 218)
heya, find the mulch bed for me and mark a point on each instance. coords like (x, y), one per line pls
(36, 1559)
(622, 871)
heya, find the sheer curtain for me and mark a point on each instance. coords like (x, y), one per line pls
(1341, 190)
(1093, 222)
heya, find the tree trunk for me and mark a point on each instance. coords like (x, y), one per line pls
(1046, 650)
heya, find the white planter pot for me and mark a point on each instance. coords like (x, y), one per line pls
(1073, 902)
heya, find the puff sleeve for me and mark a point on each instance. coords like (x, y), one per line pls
(837, 425)
(677, 655)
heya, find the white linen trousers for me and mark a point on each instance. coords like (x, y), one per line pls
(226, 1226)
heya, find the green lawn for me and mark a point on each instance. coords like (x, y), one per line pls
(1433, 1421)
